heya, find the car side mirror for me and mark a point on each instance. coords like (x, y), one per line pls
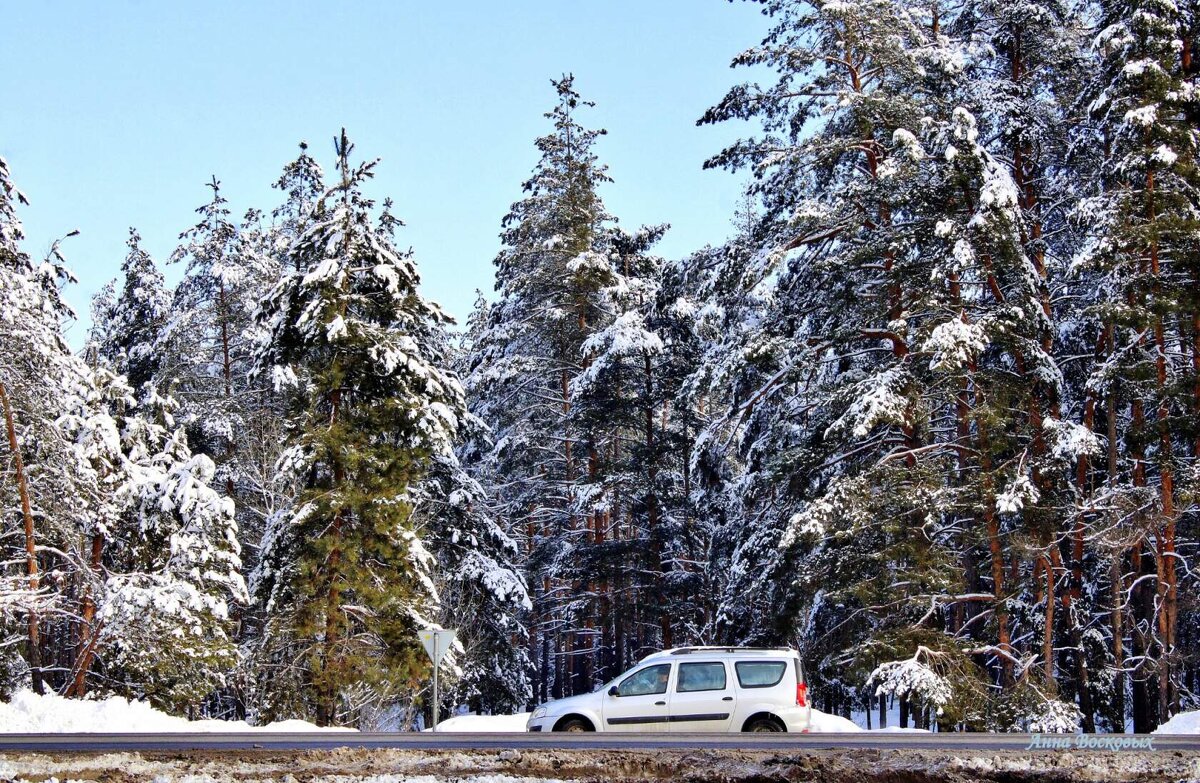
(613, 691)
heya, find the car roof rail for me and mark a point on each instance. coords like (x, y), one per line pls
(690, 650)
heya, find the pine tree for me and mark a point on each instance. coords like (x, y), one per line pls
(1021, 88)
(881, 432)
(42, 491)
(565, 375)
(1140, 247)
(824, 200)
(637, 554)
(208, 341)
(344, 576)
(303, 181)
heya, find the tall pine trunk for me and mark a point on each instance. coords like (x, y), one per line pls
(89, 630)
(31, 563)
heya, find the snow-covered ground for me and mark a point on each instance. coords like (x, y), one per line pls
(28, 713)
(1183, 723)
(485, 723)
(825, 723)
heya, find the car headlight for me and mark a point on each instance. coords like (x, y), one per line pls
(540, 712)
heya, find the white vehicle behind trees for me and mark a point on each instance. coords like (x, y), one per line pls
(691, 689)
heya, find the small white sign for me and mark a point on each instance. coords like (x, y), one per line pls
(437, 643)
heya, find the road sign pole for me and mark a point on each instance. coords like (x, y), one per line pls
(437, 644)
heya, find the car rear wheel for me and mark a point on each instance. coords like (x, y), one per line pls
(574, 724)
(763, 724)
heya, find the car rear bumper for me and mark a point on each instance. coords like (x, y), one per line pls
(797, 719)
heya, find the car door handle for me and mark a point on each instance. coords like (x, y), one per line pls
(660, 704)
(727, 698)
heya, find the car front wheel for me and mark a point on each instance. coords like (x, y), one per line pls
(762, 725)
(574, 724)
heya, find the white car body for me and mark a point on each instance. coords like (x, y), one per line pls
(707, 689)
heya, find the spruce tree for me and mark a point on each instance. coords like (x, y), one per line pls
(565, 375)
(128, 329)
(162, 553)
(303, 183)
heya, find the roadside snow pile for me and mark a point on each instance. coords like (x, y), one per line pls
(823, 722)
(472, 724)
(29, 713)
(1183, 723)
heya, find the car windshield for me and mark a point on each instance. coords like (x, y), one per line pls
(615, 680)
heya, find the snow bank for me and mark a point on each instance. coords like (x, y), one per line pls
(484, 723)
(823, 722)
(1183, 723)
(29, 713)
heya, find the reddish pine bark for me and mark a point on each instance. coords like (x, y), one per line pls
(31, 563)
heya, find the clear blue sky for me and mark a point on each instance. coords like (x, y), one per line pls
(117, 113)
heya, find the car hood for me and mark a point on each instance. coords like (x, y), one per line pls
(582, 700)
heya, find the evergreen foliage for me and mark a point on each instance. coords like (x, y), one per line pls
(930, 414)
(345, 577)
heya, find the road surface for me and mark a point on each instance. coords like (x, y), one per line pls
(949, 741)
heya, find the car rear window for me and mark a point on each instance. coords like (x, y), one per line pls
(701, 677)
(759, 674)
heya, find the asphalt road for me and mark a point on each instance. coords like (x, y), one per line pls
(427, 741)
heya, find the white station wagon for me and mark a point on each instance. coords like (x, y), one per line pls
(691, 689)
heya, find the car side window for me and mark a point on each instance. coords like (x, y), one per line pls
(646, 682)
(759, 674)
(700, 677)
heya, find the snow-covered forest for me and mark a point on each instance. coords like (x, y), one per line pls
(931, 414)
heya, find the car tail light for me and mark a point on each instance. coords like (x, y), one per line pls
(801, 694)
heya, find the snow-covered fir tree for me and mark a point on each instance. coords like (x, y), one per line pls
(642, 554)
(128, 329)
(204, 330)
(548, 277)
(303, 182)
(162, 552)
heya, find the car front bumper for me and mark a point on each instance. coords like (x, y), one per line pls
(544, 723)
